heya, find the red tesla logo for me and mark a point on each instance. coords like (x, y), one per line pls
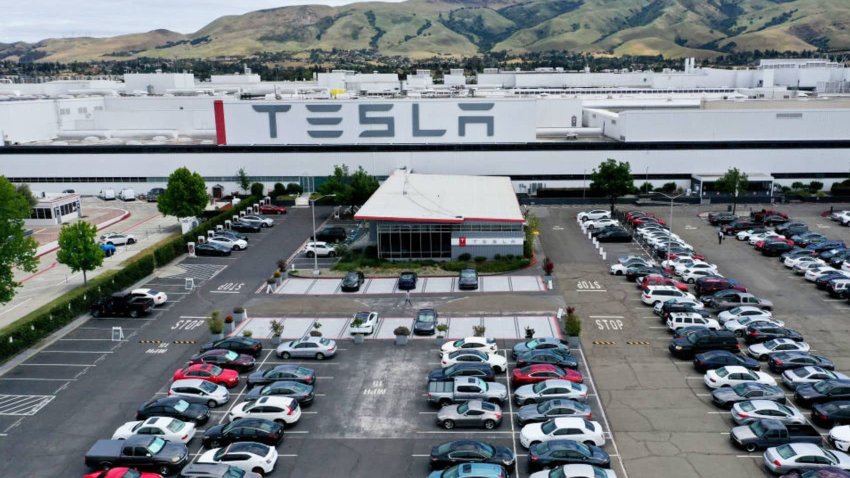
(462, 241)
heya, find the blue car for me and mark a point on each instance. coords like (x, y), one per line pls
(471, 470)
(108, 249)
(721, 358)
(819, 247)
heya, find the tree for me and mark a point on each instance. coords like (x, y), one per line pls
(257, 190)
(645, 188)
(16, 249)
(78, 249)
(363, 186)
(733, 182)
(612, 179)
(185, 195)
(243, 180)
(294, 189)
(24, 190)
(815, 186)
(354, 189)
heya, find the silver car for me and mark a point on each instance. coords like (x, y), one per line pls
(810, 374)
(744, 413)
(308, 347)
(219, 470)
(474, 413)
(552, 388)
(261, 221)
(803, 456)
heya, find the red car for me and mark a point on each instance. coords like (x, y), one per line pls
(212, 373)
(272, 209)
(541, 372)
(760, 244)
(655, 279)
(695, 255)
(121, 473)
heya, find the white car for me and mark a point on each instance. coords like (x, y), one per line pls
(672, 263)
(739, 326)
(232, 243)
(245, 455)
(732, 375)
(691, 275)
(593, 215)
(814, 273)
(803, 456)
(801, 268)
(158, 297)
(696, 266)
(118, 239)
(624, 259)
(763, 351)
(654, 294)
(369, 321)
(321, 249)
(214, 394)
(795, 377)
(790, 262)
(677, 320)
(619, 269)
(746, 412)
(600, 223)
(839, 437)
(763, 236)
(744, 235)
(171, 429)
(280, 409)
(262, 220)
(550, 389)
(695, 304)
(838, 215)
(575, 471)
(475, 343)
(578, 429)
(741, 312)
(498, 361)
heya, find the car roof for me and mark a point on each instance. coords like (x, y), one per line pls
(563, 422)
(540, 367)
(557, 382)
(736, 369)
(188, 382)
(765, 404)
(806, 449)
(276, 400)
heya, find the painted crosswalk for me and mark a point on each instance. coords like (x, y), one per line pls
(22, 405)
(198, 272)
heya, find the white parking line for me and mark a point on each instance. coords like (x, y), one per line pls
(55, 365)
(74, 351)
(511, 412)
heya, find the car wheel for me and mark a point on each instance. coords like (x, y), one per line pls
(533, 443)
(131, 241)
(211, 404)
(164, 470)
(259, 471)
(618, 273)
(739, 333)
(489, 424)
(110, 244)
(448, 424)
(443, 402)
(320, 356)
(280, 422)
(690, 281)
(285, 355)
(494, 400)
(764, 357)
(589, 443)
(95, 313)
(134, 314)
(331, 254)
(310, 254)
(105, 465)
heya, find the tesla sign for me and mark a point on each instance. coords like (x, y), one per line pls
(376, 121)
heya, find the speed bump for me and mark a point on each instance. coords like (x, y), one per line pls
(604, 342)
(150, 341)
(637, 342)
(189, 342)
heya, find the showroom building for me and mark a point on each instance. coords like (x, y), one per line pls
(441, 217)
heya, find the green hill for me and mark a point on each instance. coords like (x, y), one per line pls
(426, 28)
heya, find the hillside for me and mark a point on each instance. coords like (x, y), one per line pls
(426, 28)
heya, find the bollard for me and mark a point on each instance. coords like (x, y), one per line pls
(589, 236)
(604, 255)
(227, 224)
(201, 239)
(210, 234)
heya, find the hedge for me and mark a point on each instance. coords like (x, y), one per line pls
(45, 320)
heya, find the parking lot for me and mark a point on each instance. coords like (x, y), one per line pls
(659, 408)
(425, 285)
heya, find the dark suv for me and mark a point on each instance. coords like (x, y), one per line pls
(776, 248)
(764, 331)
(122, 304)
(738, 226)
(331, 234)
(710, 285)
(702, 341)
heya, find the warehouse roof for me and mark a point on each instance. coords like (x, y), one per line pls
(408, 197)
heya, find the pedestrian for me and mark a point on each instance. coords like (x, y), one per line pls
(719, 237)
(407, 300)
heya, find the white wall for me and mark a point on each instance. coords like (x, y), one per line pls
(157, 83)
(558, 112)
(25, 121)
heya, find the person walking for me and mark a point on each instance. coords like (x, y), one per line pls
(719, 236)
(407, 300)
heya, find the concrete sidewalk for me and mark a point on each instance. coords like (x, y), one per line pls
(52, 279)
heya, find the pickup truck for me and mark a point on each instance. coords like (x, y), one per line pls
(122, 304)
(148, 452)
(763, 434)
(461, 389)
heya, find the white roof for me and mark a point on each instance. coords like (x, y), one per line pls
(408, 197)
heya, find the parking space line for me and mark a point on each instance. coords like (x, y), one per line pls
(510, 413)
(76, 351)
(39, 379)
(55, 365)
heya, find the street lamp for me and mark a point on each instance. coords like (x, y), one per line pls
(669, 239)
(583, 176)
(313, 212)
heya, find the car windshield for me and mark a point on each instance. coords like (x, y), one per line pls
(757, 428)
(785, 451)
(131, 474)
(176, 425)
(301, 371)
(215, 370)
(220, 453)
(747, 406)
(531, 344)
(722, 372)
(467, 274)
(692, 338)
(784, 409)
(463, 407)
(822, 386)
(548, 427)
(208, 387)
(231, 355)
(426, 316)
(181, 406)
(234, 472)
(458, 343)
(325, 342)
(156, 445)
(539, 387)
(741, 388)
(453, 472)
(735, 311)
(557, 473)
(583, 449)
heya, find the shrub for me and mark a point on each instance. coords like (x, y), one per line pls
(667, 188)
(257, 190)
(401, 330)
(277, 328)
(442, 328)
(294, 189)
(247, 333)
(797, 185)
(497, 257)
(228, 319)
(480, 259)
(315, 332)
(572, 325)
(276, 274)
(479, 330)
(239, 310)
(464, 257)
(815, 186)
(279, 190)
(215, 323)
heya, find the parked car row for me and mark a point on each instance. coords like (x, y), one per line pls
(244, 443)
(553, 416)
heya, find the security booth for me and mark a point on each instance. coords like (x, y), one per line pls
(54, 209)
(758, 184)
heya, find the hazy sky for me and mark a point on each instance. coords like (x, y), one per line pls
(33, 20)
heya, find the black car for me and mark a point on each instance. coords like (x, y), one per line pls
(783, 228)
(558, 357)
(225, 359)
(671, 307)
(632, 273)
(774, 220)
(703, 341)
(295, 373)
(822, 282)
(122, 304)
(717, 218)
(759, 332)
(565, 452)
(331, 234)
(838, 259)
(710, 299)
(481, 370)
(721, 358)
(302, 393)
(154, 193)
(467, 279)
(614, 235)
(212, 249)
(830, 414)
(738, 225)
(352, 281)
(775, 248)
(258, 430)
(249, 227)
(180, 408)
(407, 280)
(470, 451)
(242, 345)
(783, 361)
(554, 408)
(425, 322)
(725, 397)
(808, 394)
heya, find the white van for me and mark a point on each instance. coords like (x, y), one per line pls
(107, 194)
(127, 194)
(678, 320)
(654, 294)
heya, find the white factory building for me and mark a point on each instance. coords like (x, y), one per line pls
(784, 121)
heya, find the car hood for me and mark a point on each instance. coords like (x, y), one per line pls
(126, 429)
(525, 391)
(424, 325)
(449, 411)
(520, 348)
(806, 390)
(758, 349)
(841, 433)
(256, 376)
(527, 412)
(497, 388)
(436, 374)
(504, 454)
(725, 394)
(743, 433)
(173, 451)
(214, 431)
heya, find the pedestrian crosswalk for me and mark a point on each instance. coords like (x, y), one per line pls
(198, 272)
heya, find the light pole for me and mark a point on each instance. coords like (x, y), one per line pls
(313, 213)
(670, 239)
(583, 177)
